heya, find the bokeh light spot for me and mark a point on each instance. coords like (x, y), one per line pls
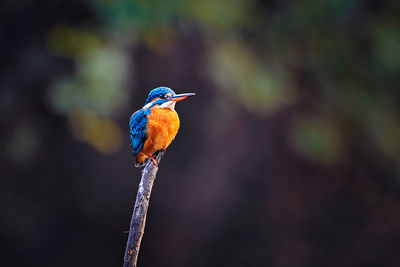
(102, 133)
(317, 139)
(238, 72)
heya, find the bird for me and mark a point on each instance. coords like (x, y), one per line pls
(154, 127)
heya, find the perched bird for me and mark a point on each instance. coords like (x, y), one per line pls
(155, 125)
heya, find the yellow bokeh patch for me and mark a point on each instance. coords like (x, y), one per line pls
(102, 133)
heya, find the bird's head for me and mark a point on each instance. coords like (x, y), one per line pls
(164, 97)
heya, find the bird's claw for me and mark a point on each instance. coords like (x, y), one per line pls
(154, 161)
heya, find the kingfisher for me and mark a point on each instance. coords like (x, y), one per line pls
(155, 125)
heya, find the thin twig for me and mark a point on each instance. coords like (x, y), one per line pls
(138, 219)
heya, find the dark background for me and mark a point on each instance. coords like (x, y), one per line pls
(288, 155)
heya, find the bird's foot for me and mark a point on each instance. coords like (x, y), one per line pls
(154, 161)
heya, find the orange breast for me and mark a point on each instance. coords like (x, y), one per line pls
(162, 127)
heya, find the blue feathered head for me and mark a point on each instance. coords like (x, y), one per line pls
(159, 92)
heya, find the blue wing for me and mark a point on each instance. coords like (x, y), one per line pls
(137, 124)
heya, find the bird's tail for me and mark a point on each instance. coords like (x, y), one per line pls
(140, 160)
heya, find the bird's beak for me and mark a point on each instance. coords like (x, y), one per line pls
(180, 97)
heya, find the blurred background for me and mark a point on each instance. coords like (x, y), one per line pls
(289, 155)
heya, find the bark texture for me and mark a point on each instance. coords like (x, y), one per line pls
(138, 219)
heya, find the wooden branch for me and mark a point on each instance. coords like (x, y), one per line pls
(138, 219)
